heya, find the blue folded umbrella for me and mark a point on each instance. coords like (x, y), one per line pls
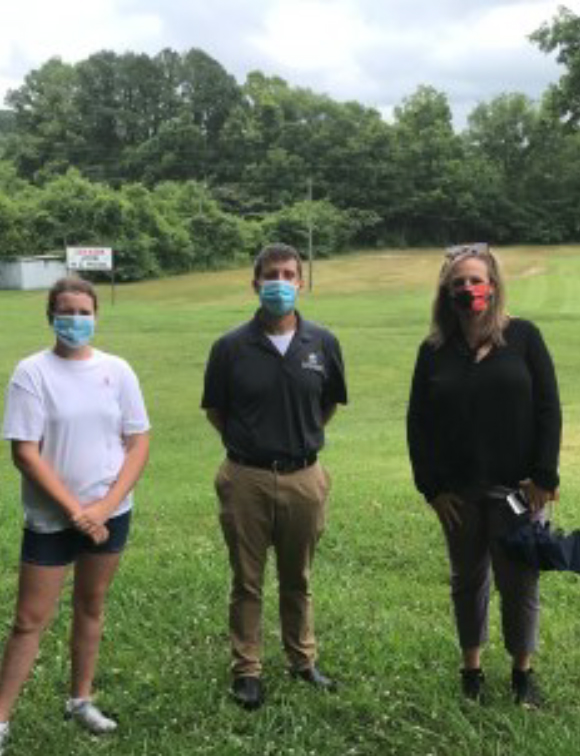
(536, 544)
(533, 541)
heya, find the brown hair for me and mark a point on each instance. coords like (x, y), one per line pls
(72, 285)
(276, 252)
(444, 319)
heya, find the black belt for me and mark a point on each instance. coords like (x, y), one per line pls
(283, 466)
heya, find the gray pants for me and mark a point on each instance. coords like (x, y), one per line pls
(473, 548)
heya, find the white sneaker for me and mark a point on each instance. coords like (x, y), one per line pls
(89, 716)
(4, 732)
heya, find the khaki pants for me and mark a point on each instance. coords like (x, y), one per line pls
(259, 509)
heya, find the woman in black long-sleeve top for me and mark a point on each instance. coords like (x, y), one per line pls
(484, 413)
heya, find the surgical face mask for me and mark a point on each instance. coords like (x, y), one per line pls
(473, 298)
(74, 331)
(278, 297)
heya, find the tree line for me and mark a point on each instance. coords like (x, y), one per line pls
(177, 166)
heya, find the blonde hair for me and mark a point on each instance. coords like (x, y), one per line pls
(444, 318)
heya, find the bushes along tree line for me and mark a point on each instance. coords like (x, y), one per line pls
(177, 166)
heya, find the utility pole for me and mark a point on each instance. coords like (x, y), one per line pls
(309, 198)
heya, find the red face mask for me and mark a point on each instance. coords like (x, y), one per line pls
(474, 298)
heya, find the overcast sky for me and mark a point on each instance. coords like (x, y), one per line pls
(373, 51)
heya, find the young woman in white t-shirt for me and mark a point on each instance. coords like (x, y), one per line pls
(79, 431)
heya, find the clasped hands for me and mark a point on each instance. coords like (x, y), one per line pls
(91, 519)
(448, 505)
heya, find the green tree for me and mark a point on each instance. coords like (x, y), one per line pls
(176, 153)
(46, 120)
(535, 164)
(423, 207)
(503, 131)
(551, 182)
(7, 128)
(13, 237)
(332, 229)
(208, 92)
(562, 35)
(214, 238)
(502, 135)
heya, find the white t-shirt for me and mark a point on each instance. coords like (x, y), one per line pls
(79, 411)
(281, 341)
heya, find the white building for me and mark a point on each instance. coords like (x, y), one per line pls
(31, 272)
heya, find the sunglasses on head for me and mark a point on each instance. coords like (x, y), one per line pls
(478, 248)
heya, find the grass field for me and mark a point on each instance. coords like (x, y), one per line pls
(380, 581)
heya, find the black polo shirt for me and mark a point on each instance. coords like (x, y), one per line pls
(273, 405)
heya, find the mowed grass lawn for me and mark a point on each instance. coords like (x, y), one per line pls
(380, 579)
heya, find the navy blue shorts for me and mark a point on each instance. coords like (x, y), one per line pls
(65, 546)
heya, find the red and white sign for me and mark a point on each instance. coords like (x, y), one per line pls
(89, 258)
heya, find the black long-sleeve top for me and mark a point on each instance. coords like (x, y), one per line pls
(473, 425)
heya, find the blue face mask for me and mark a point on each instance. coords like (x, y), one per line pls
(278, 297)
(74, 331)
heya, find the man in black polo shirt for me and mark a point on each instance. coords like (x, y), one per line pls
(271, 385)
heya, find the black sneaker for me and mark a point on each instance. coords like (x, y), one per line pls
(525, 689)
(472, 681)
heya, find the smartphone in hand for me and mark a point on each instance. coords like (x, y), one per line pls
(517, 501)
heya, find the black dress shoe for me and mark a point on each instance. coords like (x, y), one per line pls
(314, 677)
(248, 692)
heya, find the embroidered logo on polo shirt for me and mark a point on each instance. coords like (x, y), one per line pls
(313, 362)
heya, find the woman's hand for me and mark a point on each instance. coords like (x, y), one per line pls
(448, 505)
(137, 452)
(537, 497)
(90, 526)
(94, 515)
(26, 455)
(100, 510)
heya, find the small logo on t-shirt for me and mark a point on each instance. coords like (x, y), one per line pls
(313, 362)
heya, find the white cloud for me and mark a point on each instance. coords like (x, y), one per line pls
(32, 31)
(317, 44)
(494, 30)
(314, 35)
(374, 51)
